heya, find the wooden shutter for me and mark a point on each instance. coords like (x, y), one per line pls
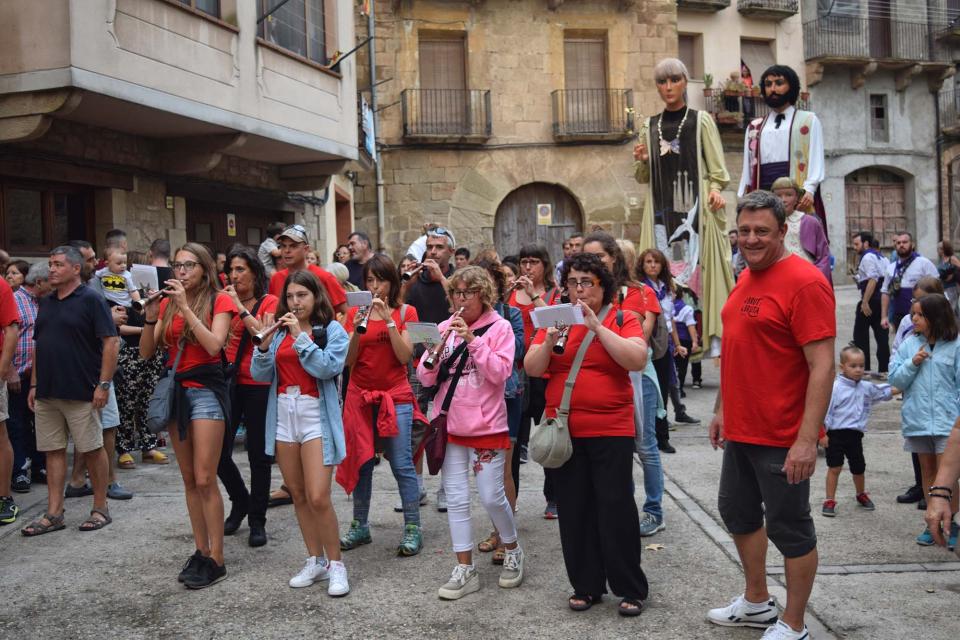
(442, 63)
(585, 63)
(331, 27)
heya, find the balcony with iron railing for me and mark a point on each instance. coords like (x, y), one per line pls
(949, 105)
(446, 115)
(768, 9)
(703, 5)
(736, 111)
(595, 114)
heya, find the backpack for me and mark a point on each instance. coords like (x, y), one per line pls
(659, 337)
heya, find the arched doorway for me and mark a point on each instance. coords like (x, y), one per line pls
(516, 220)
(876, 204)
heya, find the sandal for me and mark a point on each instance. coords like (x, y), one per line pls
(490, 544)
(125, 461)
(630, 607)
(279, 498)
(579, 602)
(499, 555)
(92, 523)
(155, 457)
(37, 528)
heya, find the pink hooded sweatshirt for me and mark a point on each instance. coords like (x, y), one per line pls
(478, 407)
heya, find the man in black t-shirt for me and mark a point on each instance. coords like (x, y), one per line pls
(361, 251)
(76, 355)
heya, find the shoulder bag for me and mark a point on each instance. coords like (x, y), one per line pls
(550, 443)
(160, 409)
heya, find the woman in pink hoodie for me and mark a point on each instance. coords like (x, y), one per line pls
(482, 344)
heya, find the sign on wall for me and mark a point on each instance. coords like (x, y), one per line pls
(232, 225)
(544, 214)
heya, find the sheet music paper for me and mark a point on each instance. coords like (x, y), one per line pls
(359, 298)
(551, 316)
(423, 333)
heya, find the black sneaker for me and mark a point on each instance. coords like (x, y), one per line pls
(523, 454)
(696, 385)
(235, 519)
(21, 484)
(683, 418)
(190, 567)
(208, 573)
(913, 494)
(257, 537)
(666, 447)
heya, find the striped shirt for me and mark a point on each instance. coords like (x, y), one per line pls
(27, 310)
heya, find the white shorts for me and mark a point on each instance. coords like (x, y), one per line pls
(298, 417)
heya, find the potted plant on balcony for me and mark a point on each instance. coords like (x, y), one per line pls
(707, 85)
(732, 90)
(729, 117)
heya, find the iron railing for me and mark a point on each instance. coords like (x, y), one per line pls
(703, 5)
(592, 112)
(949, 105)
(446, 113)
(775, 9)
(883, 38)
(738, 111)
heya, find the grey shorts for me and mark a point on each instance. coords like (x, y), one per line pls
(754, 491)
(925, 444)
(203, 404)
(110, 414)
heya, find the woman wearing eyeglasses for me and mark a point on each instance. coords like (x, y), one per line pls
(481, 347)
(194, 317)
(535, 288)
(599, 527)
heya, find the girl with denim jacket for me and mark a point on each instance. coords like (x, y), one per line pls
(927, 368)
(477, 433)
(304, 424)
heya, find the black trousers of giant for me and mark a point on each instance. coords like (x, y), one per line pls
(536, 403)
(862, 325)
(249, 404)
(667, 391)
(684, 363)
(599, 523)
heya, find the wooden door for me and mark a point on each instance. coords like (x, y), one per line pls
(516, 219)
(881, 37)
(586, 106)
(443, 83)
(875, 203)
(207, 224)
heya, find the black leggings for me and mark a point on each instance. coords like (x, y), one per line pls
(249, 404)
(682, 364)
(536, 403)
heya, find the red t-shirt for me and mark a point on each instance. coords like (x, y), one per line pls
(8, 309)
(526, 309)
(602, 401)
(334, 290)
(767, 319)
(237, 329)
(290, 371)
(377, 367)
(194, 354)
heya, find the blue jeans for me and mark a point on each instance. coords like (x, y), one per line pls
(203, 404)
(400, 454)
(649, 453)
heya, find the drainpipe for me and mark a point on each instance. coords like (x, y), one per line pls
(371, 27)
(936, 113)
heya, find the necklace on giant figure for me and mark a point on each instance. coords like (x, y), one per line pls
(671, 146)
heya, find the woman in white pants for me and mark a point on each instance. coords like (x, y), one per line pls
(481, 344)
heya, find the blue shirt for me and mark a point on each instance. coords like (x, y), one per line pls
(851, 401)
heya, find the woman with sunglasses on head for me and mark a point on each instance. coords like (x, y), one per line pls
(304, 425)
(248, 291)
(534, 288)
(193, 320)
(599, 527)
(380, 405)
(475, 362)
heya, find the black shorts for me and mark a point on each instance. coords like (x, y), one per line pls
(754, 489)
(846, 443)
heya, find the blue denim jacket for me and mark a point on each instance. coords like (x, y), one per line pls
(515, 318)
(930, 405)
(324, 365)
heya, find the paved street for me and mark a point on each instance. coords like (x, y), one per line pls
(875, 582)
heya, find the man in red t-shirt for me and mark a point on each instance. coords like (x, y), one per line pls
(294, 247)
(9, 323)
(776, 377)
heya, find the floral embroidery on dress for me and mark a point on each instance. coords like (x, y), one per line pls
(483, 455)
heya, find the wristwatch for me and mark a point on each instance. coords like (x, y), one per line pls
(391, 325)
(244, 314)
(104, 384)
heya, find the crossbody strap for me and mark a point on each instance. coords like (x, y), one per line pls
(181, 344)
(461, 352)
(577, 362)
(245, 338)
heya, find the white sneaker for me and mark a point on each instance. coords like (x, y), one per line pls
(338, 580)
(783, 631)
(441, 501)
(463, 580)
(740, 613)
(313, 569)
(512, 573)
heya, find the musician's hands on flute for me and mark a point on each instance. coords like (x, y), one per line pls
(459, 326)
(589, 317)
(176, 293)
(232, 292)
(379, 310)
(292, 324)
(434, 268)
(525, 283)
(551, 337)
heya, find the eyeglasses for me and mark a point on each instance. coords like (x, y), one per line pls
(530, 262)
(466, 294)
(189, 265)
(583, 284)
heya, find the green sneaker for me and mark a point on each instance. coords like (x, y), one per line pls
(9, 511)
(412, 541)
(356, 536)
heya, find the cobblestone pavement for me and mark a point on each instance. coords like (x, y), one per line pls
(875, 582)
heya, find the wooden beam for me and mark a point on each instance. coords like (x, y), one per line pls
(860, 73)
(905, 76)
(66, 171)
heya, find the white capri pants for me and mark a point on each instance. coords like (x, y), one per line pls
(487, 465)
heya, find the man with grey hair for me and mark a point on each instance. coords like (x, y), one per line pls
(776, 378)
(76, 355)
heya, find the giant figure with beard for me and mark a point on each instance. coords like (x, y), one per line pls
(680, 155)
(787, 142)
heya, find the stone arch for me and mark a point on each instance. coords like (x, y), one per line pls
(516, 222)
(875, 200)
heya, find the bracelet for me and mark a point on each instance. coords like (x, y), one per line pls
(939, 495)
(147, 322)
(536, 297)
(391, 325)
(245, 314)
(936, 488)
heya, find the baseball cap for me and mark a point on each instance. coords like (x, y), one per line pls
(295, 232)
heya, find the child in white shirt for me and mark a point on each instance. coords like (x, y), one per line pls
(115, 280)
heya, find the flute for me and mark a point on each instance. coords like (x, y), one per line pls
(408, 275)
(431, 360)
(258, 338)
(561, 344)
(141, 305)
(361, 327)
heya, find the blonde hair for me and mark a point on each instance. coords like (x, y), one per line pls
(202, 303)
(629, 251)
(475, 278)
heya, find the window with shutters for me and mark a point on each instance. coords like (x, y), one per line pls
(758, 56)
(442, 101)
(300, 27)
(585, 100)
(690, 52)
(879, 120)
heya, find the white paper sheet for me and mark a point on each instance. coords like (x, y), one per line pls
(359, 298)
(423, 333)
(551, 316)
(145, 277)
